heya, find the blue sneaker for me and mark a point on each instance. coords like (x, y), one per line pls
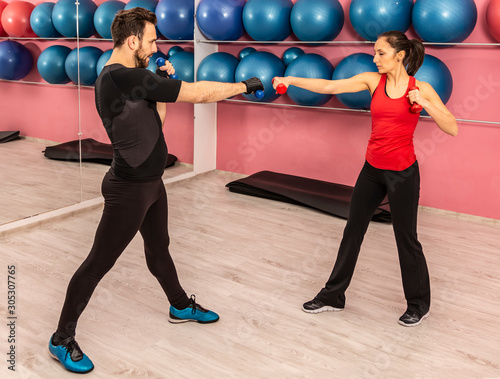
(193, 312)
(71, 356)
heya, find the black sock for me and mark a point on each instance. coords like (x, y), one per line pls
(58, 337)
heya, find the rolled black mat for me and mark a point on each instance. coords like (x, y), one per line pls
(9, 136)
(92, 151)
(328, 197)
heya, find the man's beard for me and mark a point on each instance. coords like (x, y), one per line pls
(140, 62)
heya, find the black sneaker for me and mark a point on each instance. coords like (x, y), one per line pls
(411, 318)
(317, 306)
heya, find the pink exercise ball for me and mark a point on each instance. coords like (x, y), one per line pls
(16, 19)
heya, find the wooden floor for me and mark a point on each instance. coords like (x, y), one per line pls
(255, 261)
(32, 184)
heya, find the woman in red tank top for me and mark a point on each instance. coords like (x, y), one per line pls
(390, 169)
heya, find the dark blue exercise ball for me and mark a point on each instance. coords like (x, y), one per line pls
(89, 55)
(267, 20)
(317, 20)
(176, 19)
(291, 53)
(64, 18)
(221, 19)
(245, 51)
(174, 50)
(152, 60)
(370, 18)
(51, 63)
(309, 66)
(15, 60)
(438, 75)
(183, 62)
(348, 67)
(444, 20)
(103, 59)
(104, 16)
(218, 67)
(41, 21)
(264, 66)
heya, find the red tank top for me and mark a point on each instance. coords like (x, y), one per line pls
(391, 143)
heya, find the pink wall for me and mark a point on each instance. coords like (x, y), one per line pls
(460, 174)
(50, 112)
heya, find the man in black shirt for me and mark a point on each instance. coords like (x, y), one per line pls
(131, 103)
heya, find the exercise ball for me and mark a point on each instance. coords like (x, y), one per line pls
(369, 18)
(150, 5)
(89, 55)
(176, 19)
(41, 21)
(152, 60)
(267, 20)
(493, 18)
(183, 62)
(348, 67)
(103, 59)
(317, 20)
(15, 60)
(309, 66)
(264, 66)
(16, 19)
(104, 16)
(64, 18)
(218, 67)
(444, 20)
(221, 19)
(174, 50)
(437, 74)
(291, 53)
(51, 62)
(245, 51)
(3, 4)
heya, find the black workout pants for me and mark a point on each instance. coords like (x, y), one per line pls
(128, 207)
(403, 191)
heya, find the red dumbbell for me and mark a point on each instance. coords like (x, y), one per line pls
(415, 108)
(281, 88)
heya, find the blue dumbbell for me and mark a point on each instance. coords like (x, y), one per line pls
(259, 94)
(161, 62)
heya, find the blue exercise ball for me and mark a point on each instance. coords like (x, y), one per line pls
(41, 21)
(89, 55)
(152, 60)
(51, 63)
(218, 67)
(176, 19)
(103, 59)
(221, 19)
(309, 66)
(438, 75)
(174, 50)
(104, 16)
(317, 20)
(267, 20)
(64, 18)
(444, 20)
(150, 5)
(245, 51)
(370, 18)
(183, 62)
(264, 66)
(291, 53)
(348, 67)
(15, 60)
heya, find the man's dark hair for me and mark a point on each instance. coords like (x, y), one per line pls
(130, 22)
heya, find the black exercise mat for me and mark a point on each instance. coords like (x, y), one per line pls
(9, 136)
(92, 151)
(328, 197)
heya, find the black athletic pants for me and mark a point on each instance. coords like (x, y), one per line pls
(403, 191)
(128, 207)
